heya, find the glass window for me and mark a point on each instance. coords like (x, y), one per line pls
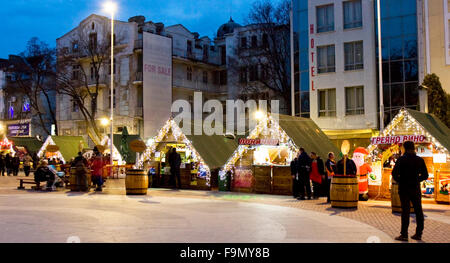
(396, 71)
(327, 103)
(411, 71)
(189, 73)
(397, 95)
(395, 48)
(352, 14)
(410, 47)
(409, 25)
(412, 94)
(353, 55)
(326, 59)
(325, 18)
(354, 100)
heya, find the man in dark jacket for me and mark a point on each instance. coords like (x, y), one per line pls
(15, 165)
(175, 163)
(2, 164)
(295, 178)
(304, 168)
(317, 174)
(408, 172)
(8, 164)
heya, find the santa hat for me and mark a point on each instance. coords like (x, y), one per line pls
(361, 150)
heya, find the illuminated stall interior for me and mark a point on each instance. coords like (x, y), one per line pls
(261, 163)
(432, 138)
(201, 157)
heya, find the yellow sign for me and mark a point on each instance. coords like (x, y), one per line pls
(389, 152)
(138, 146)
(52, 148)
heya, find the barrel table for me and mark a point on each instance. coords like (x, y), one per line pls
(395, 199)
(136, 182)
(81, 184)
(344, 192)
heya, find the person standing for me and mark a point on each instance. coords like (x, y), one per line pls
(350, 167)
(35, 161)
(2, 164)
(330, 167)
(15, 165)
(316, 174)
(175, 163)
(80, 164)
(295, 177)
(304, 168)
(97, 170)
(27, 164)
(409, 171)
(8, 164)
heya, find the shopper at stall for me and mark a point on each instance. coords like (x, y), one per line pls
(330, 166)
(27, 164)
(15, 165)
(8, 164)
(304, 168)
(316, 174)
(295, 178)
(175, 163)
(408, 172)
(2, 164)
(97, 170)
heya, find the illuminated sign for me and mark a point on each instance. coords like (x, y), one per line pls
(16, 130)
(273, 142)
(399, 139)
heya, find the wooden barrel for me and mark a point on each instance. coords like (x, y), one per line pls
(344, 192)
(136, 182)
(79, 185)
(395, 199)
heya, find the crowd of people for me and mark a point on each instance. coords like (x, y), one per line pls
(10, 163)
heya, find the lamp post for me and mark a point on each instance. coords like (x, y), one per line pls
(380, 68)
(111, 8)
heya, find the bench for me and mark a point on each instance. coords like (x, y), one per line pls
(29, 181)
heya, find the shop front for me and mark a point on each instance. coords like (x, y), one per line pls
(261, 164)
(201, 156)
(432, 140)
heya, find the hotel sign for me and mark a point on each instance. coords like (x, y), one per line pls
(17, 130)
(398, 139)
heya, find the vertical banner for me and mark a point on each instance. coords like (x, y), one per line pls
(157, 82)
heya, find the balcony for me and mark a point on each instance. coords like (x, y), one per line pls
(139, 78)
(102, 81)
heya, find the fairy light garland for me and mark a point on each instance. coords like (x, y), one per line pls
(116, 154)
(48, 142)
(171, 125)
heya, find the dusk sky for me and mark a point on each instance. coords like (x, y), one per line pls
(50, 19)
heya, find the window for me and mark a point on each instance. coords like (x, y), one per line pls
(353, 55)
(253, 73)
(109, 98)
(327, 103)
(326, 59)
(189, 47)
(243, 75)
(93, 26)
(75, 46)
(140, 96)
(223, 53)
(109, 67)
(265, 40)
(223, 77)
(264, 72)
(75, 107)
(205, 77)
(205, 52)
(243, 42)
(189, 73)
(325, 18)
(76, 72)
(354, 100)
(254, 41)
(26, 104)
(93, 41)
(352, 14)
(93, 72)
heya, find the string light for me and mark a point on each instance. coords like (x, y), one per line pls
(48, 142)
(116, 155)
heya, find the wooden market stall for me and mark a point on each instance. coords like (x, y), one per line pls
(261, 164)
(432, 139)
(69, 147)
(202, 156)
(30, 145)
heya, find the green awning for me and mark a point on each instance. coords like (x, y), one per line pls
(434, 126)
(69, 146)
(118, 141)
(31, 144)
(306, 134)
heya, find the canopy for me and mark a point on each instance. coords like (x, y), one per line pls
(31, 144)
(69, 146)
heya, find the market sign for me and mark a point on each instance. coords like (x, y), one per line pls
(273, 142)
(138, 146)
(398, 139)
(16, 130)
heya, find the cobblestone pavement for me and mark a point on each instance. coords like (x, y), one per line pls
(375, 213)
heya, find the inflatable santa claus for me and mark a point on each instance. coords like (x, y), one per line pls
(363, 170)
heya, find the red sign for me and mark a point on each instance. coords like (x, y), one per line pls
(398, 139)
(273, 142)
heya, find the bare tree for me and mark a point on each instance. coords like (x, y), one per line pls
(270, 56)
(34, 71)
(81, 73)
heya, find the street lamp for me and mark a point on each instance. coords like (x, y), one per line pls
(111, 8)
(104, 122)
(259, 115)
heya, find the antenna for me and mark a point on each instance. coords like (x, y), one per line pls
(231, 8)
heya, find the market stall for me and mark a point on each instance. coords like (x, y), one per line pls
(68, 147)
(30, 145)
(201, 156)
(432, 139)
(6, 146)
(261, 163)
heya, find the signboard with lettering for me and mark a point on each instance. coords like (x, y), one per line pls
(398, 139)
(273, 142)
(157, 72)
(138, 146)
(17, 130)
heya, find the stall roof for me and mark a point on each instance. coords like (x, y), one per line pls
(32, 144)
(118, 141)
(69, 145)
(215, 150)
(434, 126)
(306, 134)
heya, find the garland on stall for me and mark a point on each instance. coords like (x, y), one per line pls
(412, 125)
(8, 144)
(179, 136)
(48, 142)
(116, 155)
